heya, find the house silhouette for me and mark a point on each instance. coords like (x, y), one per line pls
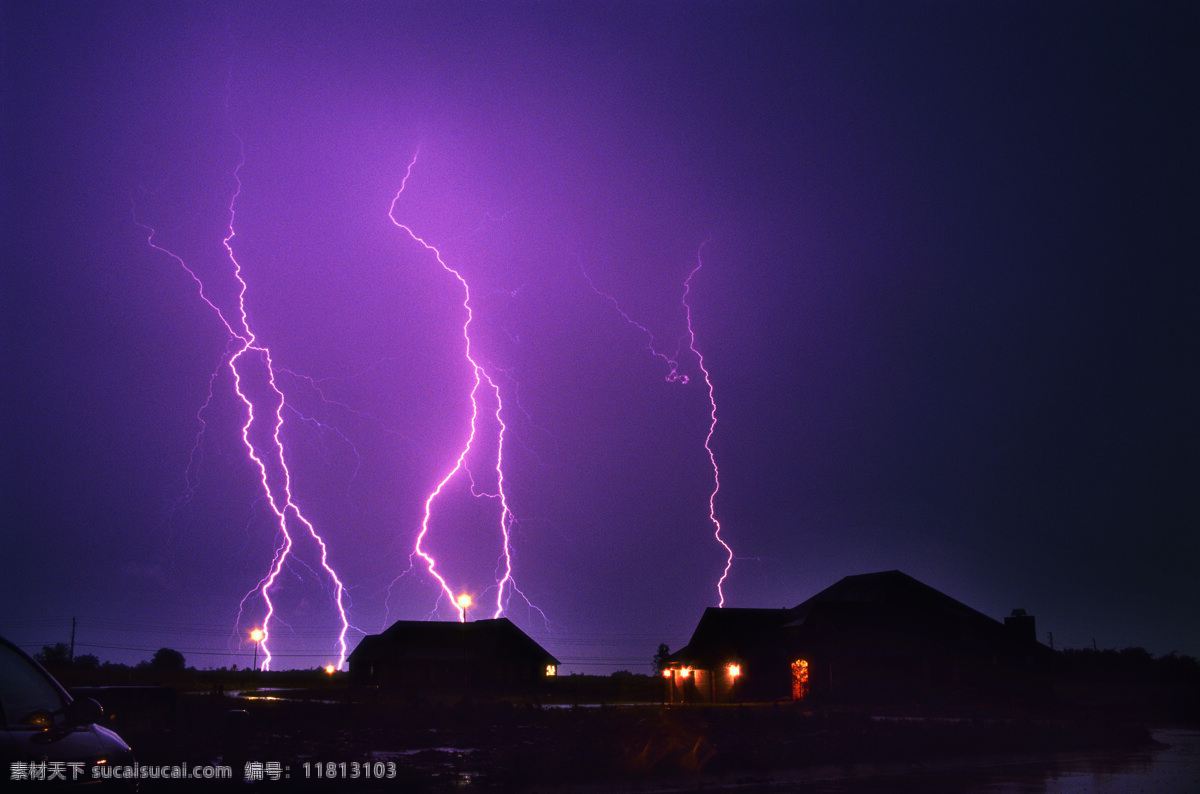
(872, 638)
(443, 658)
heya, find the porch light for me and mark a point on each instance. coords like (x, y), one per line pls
(734, 670)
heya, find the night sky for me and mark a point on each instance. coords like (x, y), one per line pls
(947, 303)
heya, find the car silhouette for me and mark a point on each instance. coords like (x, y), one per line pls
(45, 735)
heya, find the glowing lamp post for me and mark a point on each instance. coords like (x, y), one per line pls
(463, 602)
(330, 669)
(256, 636)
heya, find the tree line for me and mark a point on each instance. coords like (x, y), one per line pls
(58, 657)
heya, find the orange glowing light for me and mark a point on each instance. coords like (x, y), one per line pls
(257, 635)
(551, 670)
(666, 673)
(734, 670)
(330, 669)
(685, 672)
(800, 679)
(463, 601)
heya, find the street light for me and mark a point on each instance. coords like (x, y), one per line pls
(257, 636)
(463, 602)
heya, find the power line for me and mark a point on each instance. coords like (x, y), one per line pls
(575, 649)
(616, 639)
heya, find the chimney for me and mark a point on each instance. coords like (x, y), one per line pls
(1020, 626)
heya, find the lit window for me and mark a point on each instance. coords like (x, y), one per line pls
(734, 670)
(551, 670)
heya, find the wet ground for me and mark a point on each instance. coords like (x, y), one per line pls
(373, 746)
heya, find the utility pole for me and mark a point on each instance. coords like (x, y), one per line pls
(72, 639)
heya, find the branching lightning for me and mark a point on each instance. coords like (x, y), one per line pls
(672, 362)
(712, 428)
(254, 383)
(675, 376)
(485, 386)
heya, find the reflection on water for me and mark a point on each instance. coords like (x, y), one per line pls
(1174, 769)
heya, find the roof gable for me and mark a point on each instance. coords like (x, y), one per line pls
(432, 640)
(893, 589)
(727, 632)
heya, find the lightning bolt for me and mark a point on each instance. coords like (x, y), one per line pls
(254, 383)
(712, 427)
(675, 376)
(485, 386)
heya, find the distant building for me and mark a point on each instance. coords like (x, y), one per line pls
(872, 638)
(440, 658)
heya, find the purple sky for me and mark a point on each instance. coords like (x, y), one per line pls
(947, 304)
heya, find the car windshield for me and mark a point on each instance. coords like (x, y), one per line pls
(24, 689)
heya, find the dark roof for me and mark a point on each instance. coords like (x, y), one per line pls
(725, 633)
(435, 640)
(865, 602)
(890, 588)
